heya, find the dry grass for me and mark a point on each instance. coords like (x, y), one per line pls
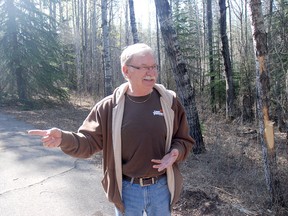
(226, 180)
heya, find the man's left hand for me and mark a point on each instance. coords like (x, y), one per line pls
(166, 161)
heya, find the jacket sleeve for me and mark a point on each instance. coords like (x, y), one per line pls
(181, 139)
(87, 141)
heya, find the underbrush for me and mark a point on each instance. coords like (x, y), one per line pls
(229, 178)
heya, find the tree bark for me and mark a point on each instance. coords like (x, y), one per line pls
(158, 48)
(230, 92)
(106, 50)
(126, 25)
(77, 41)
(133, 22)
(211, 63)
(94, 39)
(230, 31)
(262, 85)
(185, 91)
(85, 66)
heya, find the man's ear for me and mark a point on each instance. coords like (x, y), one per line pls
(125, 70)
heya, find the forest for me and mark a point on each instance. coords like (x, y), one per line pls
(225, 58)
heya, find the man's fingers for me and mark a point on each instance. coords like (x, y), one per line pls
(156, 161)
(37, 132)
(159, 165)
(50, 138)
(46, 139)
(51, 143)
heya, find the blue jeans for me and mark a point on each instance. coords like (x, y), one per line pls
(153, 199)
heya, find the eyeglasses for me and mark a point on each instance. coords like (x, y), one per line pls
(145, 68)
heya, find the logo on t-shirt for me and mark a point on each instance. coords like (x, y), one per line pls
(158, 112)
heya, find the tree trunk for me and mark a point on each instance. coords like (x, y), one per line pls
(158, 48)
(247, 111)
(133, 22)
(86, 71)
(94, 55)
(262, 85)
(230, 92)
(204, 45)
(184, 88)
(77, 41)
(126, 25)
(106, 50)
(230, 31)
(17, 68)
(211, 63)
(52, 13)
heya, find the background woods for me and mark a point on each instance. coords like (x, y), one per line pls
(227, 58)
(49, 47)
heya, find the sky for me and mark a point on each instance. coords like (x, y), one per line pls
(143, 10)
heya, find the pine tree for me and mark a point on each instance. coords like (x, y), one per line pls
(29, 52)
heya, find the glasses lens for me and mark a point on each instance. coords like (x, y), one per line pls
(154, 67)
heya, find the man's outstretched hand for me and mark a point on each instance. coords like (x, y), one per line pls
(166, 161)
(50, 138)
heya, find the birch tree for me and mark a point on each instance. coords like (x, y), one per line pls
(185, 91)
(85, 49)
(106, 50)
(266, 130)
(77, 42)
(94, 43)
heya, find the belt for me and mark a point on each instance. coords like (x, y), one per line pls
(144, 181)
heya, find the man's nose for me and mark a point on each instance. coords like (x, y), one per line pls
(151, 71)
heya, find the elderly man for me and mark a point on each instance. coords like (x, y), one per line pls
(143, 132)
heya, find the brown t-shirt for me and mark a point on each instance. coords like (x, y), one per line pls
(143, 135)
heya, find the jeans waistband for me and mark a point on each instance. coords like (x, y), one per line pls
(144, 181)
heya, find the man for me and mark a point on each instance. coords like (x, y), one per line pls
(143, 132)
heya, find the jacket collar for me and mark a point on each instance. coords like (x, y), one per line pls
(121, 90)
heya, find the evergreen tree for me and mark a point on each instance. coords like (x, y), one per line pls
(30, 54)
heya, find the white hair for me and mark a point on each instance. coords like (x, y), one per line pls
(133, 49)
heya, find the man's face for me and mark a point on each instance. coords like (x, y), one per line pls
(141, 72)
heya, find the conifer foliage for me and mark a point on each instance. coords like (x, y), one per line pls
(29, 51)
